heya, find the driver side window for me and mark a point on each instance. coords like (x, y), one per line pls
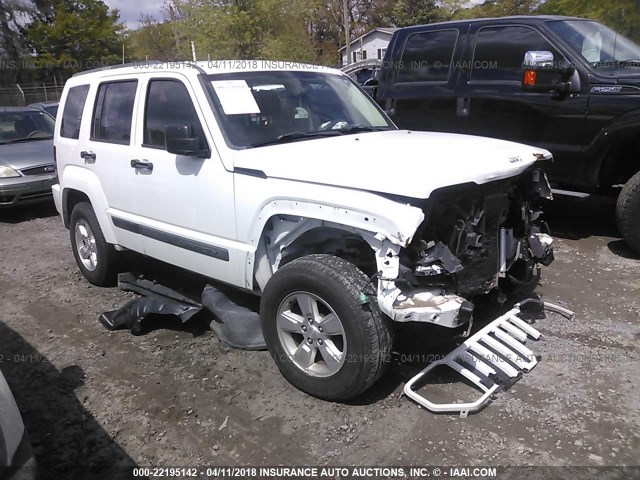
(169, 103)
(499, 52)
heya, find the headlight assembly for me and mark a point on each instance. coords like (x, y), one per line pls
(8, 172)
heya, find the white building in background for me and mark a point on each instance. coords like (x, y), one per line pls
(370, 46)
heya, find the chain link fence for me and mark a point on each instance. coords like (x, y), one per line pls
(17, 95)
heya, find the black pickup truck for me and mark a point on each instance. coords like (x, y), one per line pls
(569, 85)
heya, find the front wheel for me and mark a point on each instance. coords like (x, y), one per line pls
(96, 259)
(324, 339)
(628, 212)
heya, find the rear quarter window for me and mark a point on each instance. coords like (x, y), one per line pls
(72, 115)
(427, 56)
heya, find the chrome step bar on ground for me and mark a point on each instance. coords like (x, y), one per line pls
(493, 358)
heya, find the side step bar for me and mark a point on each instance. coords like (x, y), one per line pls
(493, 358)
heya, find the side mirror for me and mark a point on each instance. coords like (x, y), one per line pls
(538, 58)
(180, 140)
(541, 73)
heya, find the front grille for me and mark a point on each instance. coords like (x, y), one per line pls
(39, 170)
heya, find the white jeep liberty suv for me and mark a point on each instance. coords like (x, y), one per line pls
(290, 182)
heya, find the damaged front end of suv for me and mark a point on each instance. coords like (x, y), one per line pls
(476, 239)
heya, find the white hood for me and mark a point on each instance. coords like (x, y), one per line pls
(400, 162)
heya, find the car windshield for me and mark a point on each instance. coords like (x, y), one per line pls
(24, 126)
(51, 110)
(598, 44)
(263, 108)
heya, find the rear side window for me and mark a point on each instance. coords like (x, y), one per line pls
(72, 115)
(427, 56)
(499, 52)
(113, 112)
(169, 103)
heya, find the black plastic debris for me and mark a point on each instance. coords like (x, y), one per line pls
(235, 325)
(155, 299)
(437, 260)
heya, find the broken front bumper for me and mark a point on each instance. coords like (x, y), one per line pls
(427, 306)
(436, 305)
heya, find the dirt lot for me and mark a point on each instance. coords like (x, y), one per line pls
(177, 396)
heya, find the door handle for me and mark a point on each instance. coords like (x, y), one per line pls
(142, 164)
(464, 106)
(390, 107)
(88, 156)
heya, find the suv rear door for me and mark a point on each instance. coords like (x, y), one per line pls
(498, 106)
(107, 152)
(419, 79)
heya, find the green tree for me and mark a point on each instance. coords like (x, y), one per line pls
(80, 34)
(155, 40)
(244, 29)
(13, 46)
(285, 31)
(499, 8)
(294, 30)
(414, 12)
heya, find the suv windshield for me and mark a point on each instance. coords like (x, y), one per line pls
(597, 44)
(264, 108)
(24, 126)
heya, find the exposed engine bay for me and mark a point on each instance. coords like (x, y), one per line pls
(475, 239)
(473, 235)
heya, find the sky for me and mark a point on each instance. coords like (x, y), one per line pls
(130, 10)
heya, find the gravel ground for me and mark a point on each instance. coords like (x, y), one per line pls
(177, 396)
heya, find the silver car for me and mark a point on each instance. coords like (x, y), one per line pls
(50, 107)
(27, 167)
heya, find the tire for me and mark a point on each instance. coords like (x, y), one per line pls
(628, 213)
(96, 259)
(360, 340)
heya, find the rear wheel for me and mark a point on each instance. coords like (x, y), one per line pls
(324, 339)
(96, 258)
(628, 212)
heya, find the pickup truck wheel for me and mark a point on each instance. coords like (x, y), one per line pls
(628, 212)
(324, 340)
(96, 259)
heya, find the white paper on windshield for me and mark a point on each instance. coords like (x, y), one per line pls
(235, 96)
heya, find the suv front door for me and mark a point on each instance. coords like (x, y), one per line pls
(186, 209)
(498, 106)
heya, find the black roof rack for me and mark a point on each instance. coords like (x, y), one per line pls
(141, 63)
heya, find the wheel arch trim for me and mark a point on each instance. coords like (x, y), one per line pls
(87, 183)
(385, 233)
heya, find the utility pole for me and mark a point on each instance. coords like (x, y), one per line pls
(347, 36)
(193, 51)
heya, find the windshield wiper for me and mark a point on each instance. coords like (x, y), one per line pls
(618, 63)
(293, 136)
(362, 128)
